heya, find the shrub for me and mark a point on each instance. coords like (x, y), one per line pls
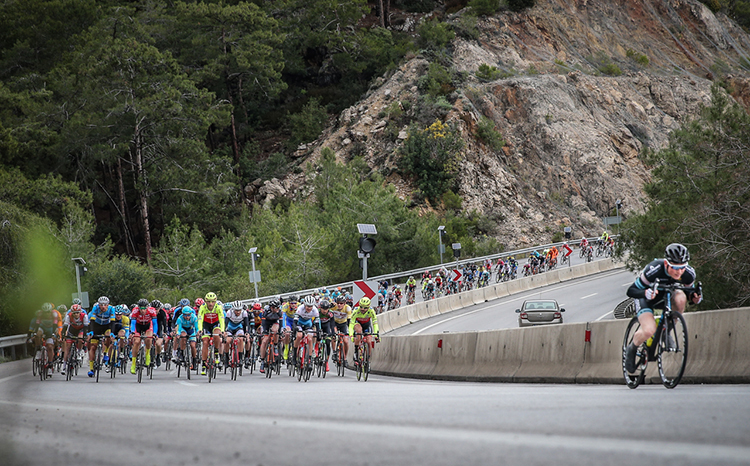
(121, 279)
(434, 35)
(431, 157)
(518, 5)
(436, 82)
(466, 27)
(484, 7)
(487, 133)
(307, 125)
(639, 58)
(486, 72)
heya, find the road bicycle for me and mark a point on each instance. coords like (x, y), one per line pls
(304, 365)
(251, 351)
(167, 354)
(321, 360)
(339, 355)
(273, 355)
(140, 360)
(211, 360)
(185, 358)
(73, 361)
(364, 352)
(99, 354)
(235, 360)
(668, 346)
(39, 363)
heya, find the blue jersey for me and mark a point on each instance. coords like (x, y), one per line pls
(101, 315)
(187, 325)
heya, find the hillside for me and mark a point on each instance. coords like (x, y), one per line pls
(578, 89)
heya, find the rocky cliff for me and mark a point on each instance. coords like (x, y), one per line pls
(587, 86)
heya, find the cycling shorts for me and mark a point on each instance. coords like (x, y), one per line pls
(366, 327)
(342, 328)
(209, 328)
(143, 328)
(643, 305)
(267, 324)
(235, 332)
(100, 329)
(288, 321)
(73, 333)
(327, 327)
(190, 332)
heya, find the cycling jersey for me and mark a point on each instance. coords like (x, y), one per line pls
(48, 322)
(235, 322)
(656, 270)
(123, 323)
(213, 316)
(102, 315)
(187, 325)
(143, 320)
(363, 318)
(76, 324)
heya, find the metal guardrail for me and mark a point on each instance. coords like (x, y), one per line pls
(349, 285)
(11, 342)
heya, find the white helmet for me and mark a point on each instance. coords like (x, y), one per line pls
(309, 301)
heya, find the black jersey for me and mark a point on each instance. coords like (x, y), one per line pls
(657, 270)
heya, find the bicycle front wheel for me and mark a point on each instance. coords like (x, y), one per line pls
(672, 351)
(633, 380)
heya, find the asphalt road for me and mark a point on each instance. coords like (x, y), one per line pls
(585, 299)
(384, 421)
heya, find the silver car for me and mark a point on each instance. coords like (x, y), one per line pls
(539, 312)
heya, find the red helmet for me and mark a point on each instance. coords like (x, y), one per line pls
(257, 307)
(199, 302)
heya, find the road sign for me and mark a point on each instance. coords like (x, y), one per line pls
(364, 288)
(84, 299)
(612, 220)
(254, 276)
(567, 249)
(456, 275)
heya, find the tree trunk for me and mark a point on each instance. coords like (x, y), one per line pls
(143, 193)
(129, 247)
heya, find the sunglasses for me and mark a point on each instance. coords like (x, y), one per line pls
(677, 266)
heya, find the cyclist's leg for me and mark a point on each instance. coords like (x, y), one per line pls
(679, 301)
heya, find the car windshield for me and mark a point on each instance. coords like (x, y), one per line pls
(540, 306)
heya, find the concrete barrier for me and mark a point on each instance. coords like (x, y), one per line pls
(400, 317)
(423, 310)
(718, 352)
(413, 312)
(460, 300)
(553, 276)
(490, 292)
(433, 308)
(579, 270)
(565, 273)
(501, 289)
(444, 304)
(384, 321)
(476, 296)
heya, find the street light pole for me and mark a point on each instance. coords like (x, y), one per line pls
(441, 229)
(78, 273)
(255, 282)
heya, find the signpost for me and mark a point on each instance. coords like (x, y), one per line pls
(456, 275)
(364, 288)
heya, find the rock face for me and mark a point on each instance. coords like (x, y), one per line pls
(573, 134)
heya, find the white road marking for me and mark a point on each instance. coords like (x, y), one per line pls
(670, 450)
(12, 377)
(182, 382)
(520, 298)
(602, 317)
(589, 295)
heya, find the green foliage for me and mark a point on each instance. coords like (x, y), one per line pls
(699, 196)
(452, 201)
(466, 27)
(437, 81)
(638, 57)
(431, 157)
(518, 5)
(416, 6)
(434, 35)
(488, 134)
(307, 125)
(486, 72)
(484, 7)
(121, 279)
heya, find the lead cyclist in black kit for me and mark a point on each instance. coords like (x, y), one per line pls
(673, 268)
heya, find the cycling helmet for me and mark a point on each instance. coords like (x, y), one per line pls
(187, 311)
(75, 308)
(227, 306)
(103, 300)
(210, 296)
(184, 302)
(257, 307)
(143, 303)
(325, 304)
(46, 307)
(293, 299)
(77, 301)
(274, 303)
(118, 309)
(62, 308)
(167, 307)
(309, 301)
(340, 299)
(364, 302)
(237, 306)
(156, 304)
(677, 254)
(199, 302)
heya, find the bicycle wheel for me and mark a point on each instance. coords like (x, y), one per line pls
(641, 358)
(42, 367)
(300, 362)
(672, 351)
(366, 363)
(210, 363)
(324, 358)
(168, 356)
(140, 362)
(360, 357)
(35, 363)
(308, 368)
(98, 360)
(340, 360)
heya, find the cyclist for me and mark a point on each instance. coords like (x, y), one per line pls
(210, 322)
(289, 309)
(187, 328)
(44, 327)
(342, 314)
(270, 318)
(101, 317)
(304, 319)
(411, 284)
(75, 324)
(364, 322)
(142, 322)
(326, 324)
(673, 268)
(238, 325)
(121, 328)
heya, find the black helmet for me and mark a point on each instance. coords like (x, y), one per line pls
(143, 303)
(677, 254)
(156, 304)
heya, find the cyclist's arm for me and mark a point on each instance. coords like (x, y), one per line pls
(132, 325)
(155, 325)
(200, 319)
(222, 322)
(374, 318)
